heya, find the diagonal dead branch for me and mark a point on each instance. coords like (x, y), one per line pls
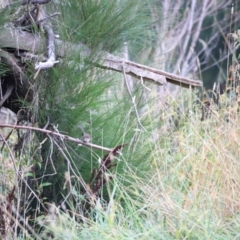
(13, 38)
(62, 136)
(158, 77)
(46, 18)
(97, 180)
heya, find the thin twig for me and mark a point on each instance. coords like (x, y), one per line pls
(71, 168)
(46, 18)
(19, 174)
(24, 2)
(17, 222)
(64, 137)
(133, 99)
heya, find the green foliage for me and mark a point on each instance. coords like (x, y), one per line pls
(75, 92)
(3, 68)
(177, 177)
(104, 25)
(7, 13)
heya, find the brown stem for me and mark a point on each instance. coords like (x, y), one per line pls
(64, 137)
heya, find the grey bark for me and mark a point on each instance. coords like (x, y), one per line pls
(13, 38)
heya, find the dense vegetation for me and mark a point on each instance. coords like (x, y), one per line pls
(161, 164)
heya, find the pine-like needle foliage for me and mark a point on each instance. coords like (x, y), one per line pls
(104, 24)
(76, 92)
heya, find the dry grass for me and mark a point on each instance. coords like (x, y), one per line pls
(195, 175)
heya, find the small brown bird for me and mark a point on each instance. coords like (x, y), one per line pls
(85, 136)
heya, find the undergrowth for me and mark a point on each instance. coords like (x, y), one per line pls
(187, 189)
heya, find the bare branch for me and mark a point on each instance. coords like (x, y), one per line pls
(24, 2)
(48, 17)
(153, 75)
(51, 49)
(29, 42)
(62, 136)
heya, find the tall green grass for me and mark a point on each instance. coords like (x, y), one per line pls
(187, 188)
